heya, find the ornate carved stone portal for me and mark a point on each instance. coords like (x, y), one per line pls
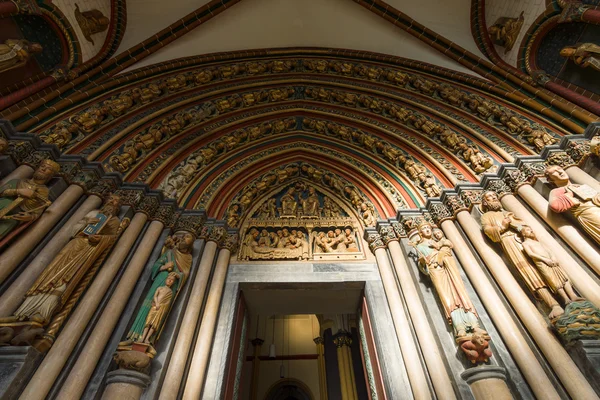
(301, 222)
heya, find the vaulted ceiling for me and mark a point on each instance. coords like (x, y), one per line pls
(255, 24)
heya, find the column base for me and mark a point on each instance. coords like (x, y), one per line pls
(124, 384)
(586, 354)
(17, 366)
(488, 382)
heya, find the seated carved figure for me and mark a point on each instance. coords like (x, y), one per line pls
(22, 201)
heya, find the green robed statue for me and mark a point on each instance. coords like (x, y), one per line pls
(169, 274)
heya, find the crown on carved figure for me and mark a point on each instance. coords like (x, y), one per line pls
(52, 164)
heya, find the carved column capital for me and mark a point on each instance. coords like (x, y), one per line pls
(216, 234)
(149, 205)
(342, 338)
(560, 158)
(532, 170)
(230, 241)
(387, 234)
(130, 197)
(398, 229)
(454, 203)
(471, 197)
(439, 212)
(166, 213)
(514, 178)
(375, 241)
(579, 150)
(498, 186)
(103, 187)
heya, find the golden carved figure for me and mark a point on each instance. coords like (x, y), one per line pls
(147, 94)
(435, 259)
(120, 105)
(15, 53)
(423, 85)
(61, 136)
(22, 201)
(581, 200)
(280, 66)
(548, 266)
(310, 205)
(504, 227)
(203, 76)
(451, 139)
(89, 120)
(538, 137)
(451, 94)
(91, 22)
(397, 77)
(505, 31)
(92, 238)
(585, 55)
(479, 163)
(367, 212)
(289, 205)
(282, 244)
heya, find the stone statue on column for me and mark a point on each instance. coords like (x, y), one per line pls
(581, 200)
(70, 271)
(22, 201)
(504, 227)
(169, 274)
(541, 272)
(435, 259)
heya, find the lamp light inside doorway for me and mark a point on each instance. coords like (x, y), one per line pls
(272, 347)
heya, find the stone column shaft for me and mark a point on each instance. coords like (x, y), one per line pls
(435, 364)
(410, 354)
(342, 372)
(21, 172)
(13, 297)
(28, 239)
(183, 343)
(570, 233)
(581, 177)
(564, 367)
(529, 365)
(488, 382)
(586, 286)
(77, 380)
(124, 384)
(197, 371)
(48, 371)
(321, 362)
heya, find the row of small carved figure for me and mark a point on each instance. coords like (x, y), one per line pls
(160, 132)
(175, 182)
(90, 119)
(470, 153)
(417, 172)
